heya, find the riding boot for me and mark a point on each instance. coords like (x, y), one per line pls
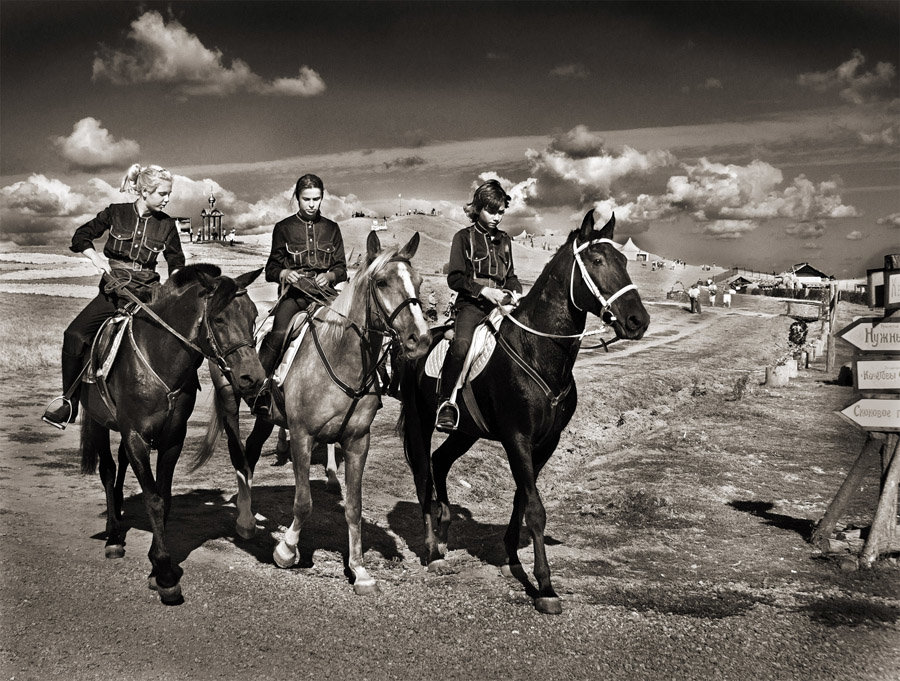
(63, 410)
(268, 356)
(448, 413)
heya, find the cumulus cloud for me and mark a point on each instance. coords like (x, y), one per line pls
(806, 230)
(729, 229)
(595, 175)
(39, 208)
(855, 235)
(166, 52)
(852, 85)
(404, 162)
(573, 71)
(262, 215)
(712, 191)
(892, 220)
(579, 142)
(90, 146)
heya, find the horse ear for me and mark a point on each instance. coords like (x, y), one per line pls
(607, 231)
(373, 246)
(245, 280)
(206, 281)
(587, 225)
(408, 251)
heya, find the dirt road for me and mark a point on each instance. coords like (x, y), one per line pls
(678, 502)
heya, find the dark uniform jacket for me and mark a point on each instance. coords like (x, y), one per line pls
(479, 258)
(134, 242)
(309, 247)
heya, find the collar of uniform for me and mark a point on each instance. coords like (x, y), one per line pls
(494, 235)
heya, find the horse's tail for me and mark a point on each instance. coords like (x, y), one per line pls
(88, 446)
(213, 432)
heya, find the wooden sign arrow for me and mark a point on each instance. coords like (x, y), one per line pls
(873, 334)
(877, 375)
(874, 415)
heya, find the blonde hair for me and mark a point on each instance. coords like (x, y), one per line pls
(139, 178)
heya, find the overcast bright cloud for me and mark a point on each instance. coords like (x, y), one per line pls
(166, 52)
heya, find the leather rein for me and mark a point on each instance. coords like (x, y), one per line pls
(595, 291)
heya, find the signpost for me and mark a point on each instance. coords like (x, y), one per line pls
(876, 377)
(873, 334)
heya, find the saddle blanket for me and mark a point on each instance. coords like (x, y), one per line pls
(296, 331)
(483, 344)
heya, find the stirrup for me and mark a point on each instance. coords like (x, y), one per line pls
(447, 427)
(262, 403)
(63, 422)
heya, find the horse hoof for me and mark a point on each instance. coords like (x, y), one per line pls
(439, 567)
(548, 605)
(114, 551)
(506, 571)
(170, 595)
(286, 556)
(245, 532)
(366, 588)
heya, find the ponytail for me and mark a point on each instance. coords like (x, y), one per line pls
(138, 178)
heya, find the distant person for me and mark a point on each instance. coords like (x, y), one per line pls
(307, 259)
(481, 272)
(231, 236)
(138, 233)
(713, 289)
(694, 297)
(727, 292)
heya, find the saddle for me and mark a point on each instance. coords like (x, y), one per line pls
(106, 346)
(480, 351)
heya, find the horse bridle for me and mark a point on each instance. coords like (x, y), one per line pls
(217, 355)
(387, 318)
(606, 303)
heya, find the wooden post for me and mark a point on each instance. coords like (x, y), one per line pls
(884, 525)
(825, 526)
(832, 313)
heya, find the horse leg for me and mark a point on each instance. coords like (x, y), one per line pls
(282, 448)
(525, 465)
(417, 432)
(244, 460)
(355, 454)
(332, 484)
(286, 553)
(120, 479)
(98, 439)
(443, 459)
(164, 577)
(245, 526)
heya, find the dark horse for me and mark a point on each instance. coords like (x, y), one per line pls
(332, 393)
(526, 393)
(150, 393)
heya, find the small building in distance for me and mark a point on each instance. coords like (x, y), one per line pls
(211, 230)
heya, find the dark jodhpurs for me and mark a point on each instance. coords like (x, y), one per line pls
(468, 316)
(292, 303)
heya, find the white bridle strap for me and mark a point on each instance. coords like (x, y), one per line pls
(589, 282)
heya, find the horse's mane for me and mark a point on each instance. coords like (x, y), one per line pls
(337, 314)
(190, 273)
(545, 272)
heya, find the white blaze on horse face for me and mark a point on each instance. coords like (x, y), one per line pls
(410, 288)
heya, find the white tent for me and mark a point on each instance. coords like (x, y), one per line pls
(630, 250)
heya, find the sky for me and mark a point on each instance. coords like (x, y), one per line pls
(759, 135)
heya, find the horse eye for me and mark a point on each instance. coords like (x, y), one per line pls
(381, 283)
